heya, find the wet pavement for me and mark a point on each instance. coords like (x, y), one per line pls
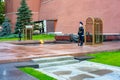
(67, 68)
(12, 55)
(10, 72)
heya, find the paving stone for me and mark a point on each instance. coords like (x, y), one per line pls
(62, 72)
(84, 70)
(110, 76)
(101, 72)
(17, 53)
(15, 75)
(80, 77)
(9, 71)
(88, 69)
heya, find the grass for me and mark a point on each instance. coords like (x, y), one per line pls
(108, 57)
(35, 37)
(44, 37)
(8, 39)
(36, 74)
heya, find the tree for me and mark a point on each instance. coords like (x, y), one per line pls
(6, 27)
(2, 11)
(24, 16)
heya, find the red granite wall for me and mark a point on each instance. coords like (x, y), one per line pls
(13, 5)
(69, 12)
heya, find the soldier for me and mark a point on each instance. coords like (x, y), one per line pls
(19, 34)
(81, 35)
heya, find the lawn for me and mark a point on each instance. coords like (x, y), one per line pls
(36, 74)
(44, 37)
(107, 57)
(35, 37)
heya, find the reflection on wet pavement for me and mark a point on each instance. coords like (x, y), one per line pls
(9, 72)
(13, 53)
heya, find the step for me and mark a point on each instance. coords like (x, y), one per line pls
(81, 58)
(58, 63)
(52, 59)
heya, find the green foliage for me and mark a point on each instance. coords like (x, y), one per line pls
(36, 74)
(14, 37)
(24, 16)
(6, 28)
(2, 11)
(44, 37)
(11, 36)
(108, 57)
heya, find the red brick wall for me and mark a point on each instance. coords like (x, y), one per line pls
(69, 12)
